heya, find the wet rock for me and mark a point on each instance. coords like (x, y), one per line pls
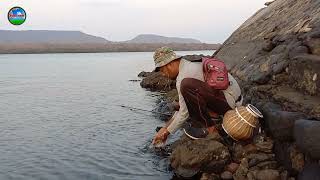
(156, 81)
(191, 156)
(144, 74)
(307, 136)
(310, 172)
(280, 124)
(226, 175)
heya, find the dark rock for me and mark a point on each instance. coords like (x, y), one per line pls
(156, 81)
(310, 172)
(191, 156)
(268, 3)
(296, 51)
(289, 157)
(134, 80)
(226, 175)
(284, 175)
(144, 74)
(280, 124)
(307, 136)
(303, 78)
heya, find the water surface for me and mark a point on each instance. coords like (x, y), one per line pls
(60, 117)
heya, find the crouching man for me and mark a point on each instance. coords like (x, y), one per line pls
(197, 100)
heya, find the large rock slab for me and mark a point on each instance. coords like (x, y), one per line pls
(307, 136)
(192, 156)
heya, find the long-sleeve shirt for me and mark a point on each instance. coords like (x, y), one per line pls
(189, 69)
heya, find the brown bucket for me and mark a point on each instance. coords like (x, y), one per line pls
(241, 122)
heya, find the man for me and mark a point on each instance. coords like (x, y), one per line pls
(196, 99)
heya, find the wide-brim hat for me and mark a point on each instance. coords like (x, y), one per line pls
(163, 56)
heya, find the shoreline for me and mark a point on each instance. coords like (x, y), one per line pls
(50, 48)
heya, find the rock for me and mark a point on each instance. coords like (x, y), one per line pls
(269, 174)
(242, 171)
(284, 175)
(226, 175)
(302, 78)
(289, 156)
(282, 36)
(280, 124)
(207, 176)
(232, 167)
(310, 172)
(144, 74)
(268, 3)
(191, 156)
(307, 136)
(156, 81)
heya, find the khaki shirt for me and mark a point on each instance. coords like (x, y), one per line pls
(189, 69)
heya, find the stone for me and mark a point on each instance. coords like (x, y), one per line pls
(242, 171)
(232, 167)
(144, 74)
(310, 172)
(289, 157)
(191, 156)
(156, 81)
(280, 124)
(208, 176)
(226, 175)
(269, 174)
(307, 136)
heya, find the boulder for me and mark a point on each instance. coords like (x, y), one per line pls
(307, 136)
(191, 156)
(280, 124)
(289, 156)
(144, 74)
(156, 81)
(310, 172)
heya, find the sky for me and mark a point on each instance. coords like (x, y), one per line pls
(210, 21)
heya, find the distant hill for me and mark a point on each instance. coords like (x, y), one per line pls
(43, 36)
(152, 38)
(42, 41)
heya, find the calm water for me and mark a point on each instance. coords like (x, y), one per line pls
(60, 119)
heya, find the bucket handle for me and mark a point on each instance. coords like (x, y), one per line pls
(254, 111)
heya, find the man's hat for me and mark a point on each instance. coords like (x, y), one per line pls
(163, 56)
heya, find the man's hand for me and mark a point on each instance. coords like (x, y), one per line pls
(161, 136)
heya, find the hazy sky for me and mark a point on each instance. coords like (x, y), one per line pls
(207, 20)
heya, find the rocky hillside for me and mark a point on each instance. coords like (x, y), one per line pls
(276, 55)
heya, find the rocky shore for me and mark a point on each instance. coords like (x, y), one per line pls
(275, 56)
